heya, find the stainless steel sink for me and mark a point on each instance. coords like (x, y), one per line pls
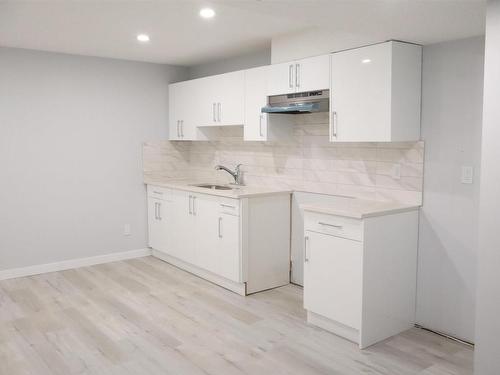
(214, 187)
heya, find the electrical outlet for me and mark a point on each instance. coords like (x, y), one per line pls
(396, 172)
(467, 174)
(126, 230)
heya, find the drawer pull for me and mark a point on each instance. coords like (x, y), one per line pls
(330, 225)
(227, 206)
(157, 192)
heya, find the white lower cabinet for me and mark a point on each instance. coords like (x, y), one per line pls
(360, 275)
(158, 218)
(216, 238)
(337, 263)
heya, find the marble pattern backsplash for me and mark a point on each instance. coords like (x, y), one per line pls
(305, 162)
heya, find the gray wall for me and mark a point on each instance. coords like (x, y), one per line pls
(246, 61)
(71, 130)
(487, 358)
(451, 127)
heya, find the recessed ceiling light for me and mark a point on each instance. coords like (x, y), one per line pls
(207, 13)
(143, 38)
(366, 61)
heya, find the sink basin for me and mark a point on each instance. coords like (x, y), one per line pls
(214, 187)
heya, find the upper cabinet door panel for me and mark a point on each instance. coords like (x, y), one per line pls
(281, 79)
(312, 73)
(173, 112)
(361, 93)
(230, 98)
(255, 128)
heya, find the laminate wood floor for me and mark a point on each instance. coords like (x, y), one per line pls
(144, 316)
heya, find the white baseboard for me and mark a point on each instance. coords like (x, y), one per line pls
(73, 263)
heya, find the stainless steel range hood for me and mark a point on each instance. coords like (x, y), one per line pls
(297, 103)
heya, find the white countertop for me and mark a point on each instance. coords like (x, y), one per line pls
(358, 208)
(236, 192)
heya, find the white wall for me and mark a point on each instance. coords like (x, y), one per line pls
(71, 133)
(487, 356)
(451, 127)
(246, 61)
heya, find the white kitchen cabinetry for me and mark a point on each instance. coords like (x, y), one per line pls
(158, 217)
(308, 74)
(360, 274)
(375, 93)
(182, 118)
(235, 243)
(221, 100)
(262, 126)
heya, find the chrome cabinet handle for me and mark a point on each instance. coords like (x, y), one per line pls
(190, 209)
(290, 76)
(330, 225)
(306, 256)
(220, 227)
(194, 205)
(227, 205)
(260, 125)
(159, 211)
(219, 111)
(178, 132)
(182, 128)
(334, 124)
(213, 112)
(297, 75)
(156, 211)
(157, 192)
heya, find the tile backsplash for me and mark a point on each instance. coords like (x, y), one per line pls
(306, 162)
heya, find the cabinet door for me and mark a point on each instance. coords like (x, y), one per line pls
(155, 227)
(361, 94)
(228, 247)
(255, 128)
(205, 212)
(230, 98)
(332, 278)
(312, 73)
(187, 99)
(174, 91)
(182, 227)
(281, 78)
(205, 94)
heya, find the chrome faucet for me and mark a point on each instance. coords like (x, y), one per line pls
(236, 173)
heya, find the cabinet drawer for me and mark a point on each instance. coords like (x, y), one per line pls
(229, 206)
(334, 225)
(158, 192)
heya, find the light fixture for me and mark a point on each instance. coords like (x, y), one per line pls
(143, 38)
(207, 13)
(366, 61)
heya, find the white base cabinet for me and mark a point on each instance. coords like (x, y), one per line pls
(360, 275)
(240, 244)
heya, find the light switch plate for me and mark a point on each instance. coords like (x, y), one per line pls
(467, 174)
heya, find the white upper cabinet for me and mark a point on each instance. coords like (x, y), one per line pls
(182, 118)
(255, 98)
(375, 93)
(301, 75)
(221, 99)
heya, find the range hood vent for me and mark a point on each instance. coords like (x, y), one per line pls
(297, 103)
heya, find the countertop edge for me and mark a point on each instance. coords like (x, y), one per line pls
(232, 194)
(376, 213)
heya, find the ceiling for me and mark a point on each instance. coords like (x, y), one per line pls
(180, 37)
